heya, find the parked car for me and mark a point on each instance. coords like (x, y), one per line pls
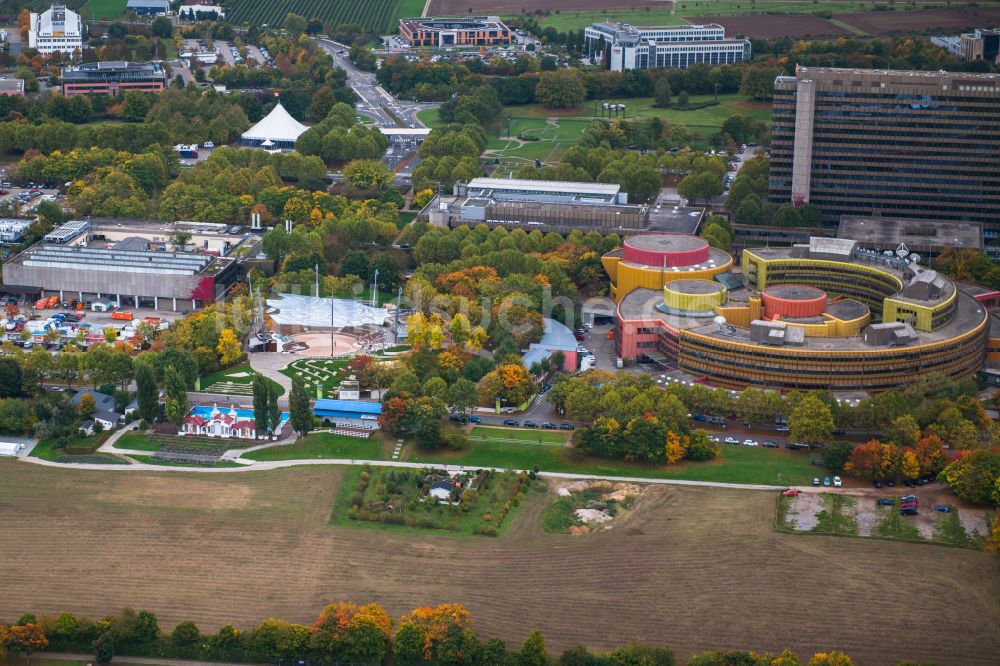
(750, 442)
(837, 483)
(877, 483)
(943, 508)
(815, 480)
(511, 422)
(567, 426)
(458, 418)
(475, 419)
(886, 501)
(782, 428)
(908, 498)
(826, 481)
(549, 425)
(908, 511)
(715, 439)
(732, 440)
(791, 492)
(530, 424)
(769, 444)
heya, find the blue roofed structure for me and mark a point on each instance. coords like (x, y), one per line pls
(556, 337)
(360, 414)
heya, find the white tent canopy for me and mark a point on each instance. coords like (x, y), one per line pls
(309, 311)
(276, 126)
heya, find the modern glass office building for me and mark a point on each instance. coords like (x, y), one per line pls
(903, 144)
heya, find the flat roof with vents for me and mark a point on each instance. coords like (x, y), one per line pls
(123, 261)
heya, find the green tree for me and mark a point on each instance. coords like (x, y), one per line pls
(147, 394)
(104, 648)
(368, 175)
(835, 455)
(299, 408)
(161, 27)
(700, 186)
(663, 93)
(261, 389)
(176, 396)
(904, 431)
(563, 89)
(811, 421)
(533, 653)
(295, 24)
(135, 106)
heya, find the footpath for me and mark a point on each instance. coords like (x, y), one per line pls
(89, 658)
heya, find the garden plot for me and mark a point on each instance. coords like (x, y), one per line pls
(319, 376)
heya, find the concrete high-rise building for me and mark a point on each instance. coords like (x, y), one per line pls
(980, 45)
(903, 144)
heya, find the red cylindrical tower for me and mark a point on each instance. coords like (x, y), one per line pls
(666, 250)
(793, 300)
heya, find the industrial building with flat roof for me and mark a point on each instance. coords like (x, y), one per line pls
(455, 31)
(112, 77)
(825, 315)
(129, 263)
(904, 144)
(546, 206)
(675, 46)
(927, 238)
(10, 86)
(980, 45)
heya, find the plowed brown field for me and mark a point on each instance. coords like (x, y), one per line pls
(691, 568)
(461, 7)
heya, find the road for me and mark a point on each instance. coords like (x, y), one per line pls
(384, 109)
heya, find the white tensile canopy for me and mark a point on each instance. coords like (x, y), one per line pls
(276, 126)
(309, 311)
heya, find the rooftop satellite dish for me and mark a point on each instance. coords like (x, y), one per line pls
(888, 253)
(902, 250)
(720, 321)
(915, 258)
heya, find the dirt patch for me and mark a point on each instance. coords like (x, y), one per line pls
(180, 493)
(865, 517)
(921, 20)
(483, 7)
(974, 522)
(925, 520)
(803, 511)
(785, 25)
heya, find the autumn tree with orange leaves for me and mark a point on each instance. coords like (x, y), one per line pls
(26, 638)
(422, 633)
(348, 632)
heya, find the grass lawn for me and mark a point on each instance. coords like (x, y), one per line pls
(47, 449)
(705, 120)
(138, 441)
(324, 445)
(106, 9)
(315, 373)
(404, 218)
(407, 9)
(234, 381)
(430, 117)
(568, 20)
(515, 435)
(736, 464)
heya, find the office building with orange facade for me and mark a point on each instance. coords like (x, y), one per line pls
(445, 32)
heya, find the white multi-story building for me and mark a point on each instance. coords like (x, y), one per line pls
(57, 29)
(677, 46)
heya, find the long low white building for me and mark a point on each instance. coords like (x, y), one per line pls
(650, 47)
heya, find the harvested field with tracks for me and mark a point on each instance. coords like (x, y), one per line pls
(691, 568)
(921, 20)
(773, 25)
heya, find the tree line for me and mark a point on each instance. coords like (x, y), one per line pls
(346, 632)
